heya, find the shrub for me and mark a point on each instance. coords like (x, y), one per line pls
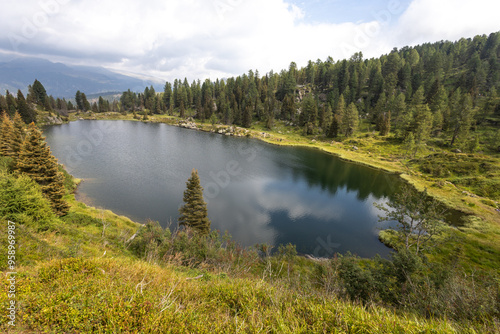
(80, 219)
(358, 283)
(148, 240)
(6, 164)
(22, 201)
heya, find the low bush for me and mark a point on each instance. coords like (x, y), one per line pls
(22, 201)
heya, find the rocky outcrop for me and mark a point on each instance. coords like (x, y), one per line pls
(232, 131)
(53, 120)
(188, 124)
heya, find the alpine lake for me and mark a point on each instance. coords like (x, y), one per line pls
(258, 192)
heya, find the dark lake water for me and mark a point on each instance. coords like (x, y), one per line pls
(258, 192)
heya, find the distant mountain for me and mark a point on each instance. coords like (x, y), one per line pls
(62, 80)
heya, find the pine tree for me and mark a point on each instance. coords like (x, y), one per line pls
(421, 126)
(350, 120)
(6, 135)
(462, 115)
(11, 103)
(336, 125)
(25, 111)
(17, 134)
(309, 114)
(409, 144)
(247, 117)
(384, 123)
(194, 211)
(333, 132)
(37, 162)
(39, 92)
(79, 101)
(3, 104)
(85, 102)
(102, 105)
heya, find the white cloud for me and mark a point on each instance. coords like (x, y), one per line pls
(431, 20)
(219, 38)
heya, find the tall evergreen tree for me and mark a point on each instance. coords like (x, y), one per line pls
(194, 211)
(102, 105)
(37, 162)
(39, 92)
(461, 118)
(422, 125)
(11, 103)
(17, 135)
(6, 135)
(309, 114)
(85, 103)
(247, 117)
(25, 111)
(350, 120)
(79, 101)
(384, 123)
(3, 104)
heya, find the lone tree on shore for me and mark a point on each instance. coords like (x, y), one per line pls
(36, 161)
(418, 218)
(194, 211)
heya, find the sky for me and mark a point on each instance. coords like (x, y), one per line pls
(199, 39)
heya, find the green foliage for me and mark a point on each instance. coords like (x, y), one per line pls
(37, 162)
(6, 164)
(22, 201)
(27, 113)
(6, 136)
(478, 174)
(80, 219)
(194, 211)
(357, 282)
(418, 218)
(148, 239)
(350, 120)
(117, 295)
(39, 93)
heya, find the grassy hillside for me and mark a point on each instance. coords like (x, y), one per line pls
(123, 295)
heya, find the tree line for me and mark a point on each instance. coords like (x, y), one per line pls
(435, 89)
(444, 89)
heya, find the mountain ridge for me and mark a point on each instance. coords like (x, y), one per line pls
(61, 80)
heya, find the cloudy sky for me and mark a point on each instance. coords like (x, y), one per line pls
(220, 38)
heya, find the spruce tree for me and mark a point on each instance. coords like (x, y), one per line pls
(194, 211)
(79, 101)
(37, 162)
(27, 113)
(17, 135)
(11, 103)
(39, 92)
(350, 120)
(421, 125)
(86, 103)
(3, 104)
(462, 116)
(6, 135)
(336, 124)
(384, 123)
